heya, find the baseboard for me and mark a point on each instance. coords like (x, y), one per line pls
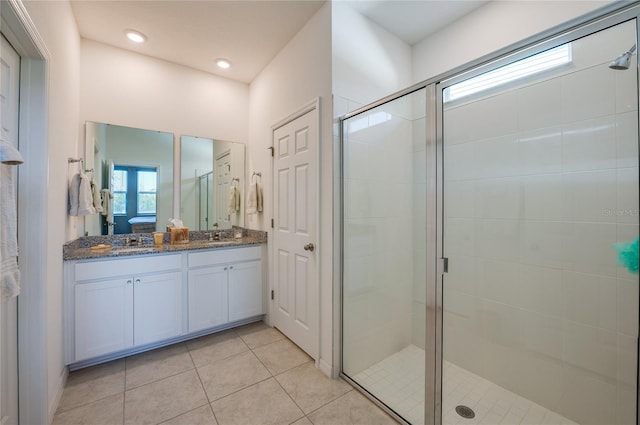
(60, 389)
(326, 368)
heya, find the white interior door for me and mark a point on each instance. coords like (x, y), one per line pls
(295, 211)
(9, 105)
(223, 184)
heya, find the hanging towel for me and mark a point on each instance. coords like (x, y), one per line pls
(95, 195)
(106, 196)
(8, 154)
(80, 196)
(259, 197)
(9, 271)
(234, 200)
(252, 199)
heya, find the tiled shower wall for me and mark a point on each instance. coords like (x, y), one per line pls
(540, 181)
(378, 234)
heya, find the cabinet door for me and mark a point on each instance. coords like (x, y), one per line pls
(103, 317)
(157, 310)
(245, 290)
(207, 297)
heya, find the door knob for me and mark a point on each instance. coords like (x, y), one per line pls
(309, 247)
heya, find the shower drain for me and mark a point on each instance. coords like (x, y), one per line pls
(465, 412)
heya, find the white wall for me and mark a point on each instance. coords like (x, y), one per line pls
(133, 90)
(489, 28)
(300, 73)
(368, 62)
(56, 25)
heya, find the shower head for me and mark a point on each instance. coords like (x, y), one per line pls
(624, 60)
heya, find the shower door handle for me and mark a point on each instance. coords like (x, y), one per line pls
(309, 247)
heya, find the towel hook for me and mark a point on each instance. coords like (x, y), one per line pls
(256, 173)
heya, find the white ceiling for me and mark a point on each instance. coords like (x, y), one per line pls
(250, 33)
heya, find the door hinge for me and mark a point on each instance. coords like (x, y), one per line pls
(272, 224)
(443, 265)
(273, 294)
(271, 148)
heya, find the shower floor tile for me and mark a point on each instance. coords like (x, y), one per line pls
(399, 381)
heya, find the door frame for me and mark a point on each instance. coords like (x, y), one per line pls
(308, 107)
(21, 32)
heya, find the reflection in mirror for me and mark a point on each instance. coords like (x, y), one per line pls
(212, 183)
(134, 168)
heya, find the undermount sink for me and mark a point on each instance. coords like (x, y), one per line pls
(127, 249)
(206, 242)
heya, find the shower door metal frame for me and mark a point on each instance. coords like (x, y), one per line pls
(597, 20)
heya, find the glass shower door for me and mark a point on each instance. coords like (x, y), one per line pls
(384, 252)
(540, 195)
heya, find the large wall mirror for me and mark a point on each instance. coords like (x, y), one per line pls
(135, 166)
(212, 183)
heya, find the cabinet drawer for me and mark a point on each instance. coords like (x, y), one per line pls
(224, 256)
(126, 267)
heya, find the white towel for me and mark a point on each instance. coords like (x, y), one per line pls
(80, 196)
(254, 199)
(259, 197)
(234, 200)
(95, 195)
(9, 271)
(8, 154)
(251, 202)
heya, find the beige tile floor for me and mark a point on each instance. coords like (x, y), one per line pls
(251, 375)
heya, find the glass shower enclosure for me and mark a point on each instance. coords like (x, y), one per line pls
(384, 252)
(490, 225)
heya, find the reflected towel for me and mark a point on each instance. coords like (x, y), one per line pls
(9, 271)
(234, 200)
(80, 196)
(106, 196)
(95, 195)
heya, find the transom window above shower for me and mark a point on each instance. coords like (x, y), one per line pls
(515, 71)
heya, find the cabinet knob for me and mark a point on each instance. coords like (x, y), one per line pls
(129, 282)
(226, 268)
(230, 267)
(137, 281)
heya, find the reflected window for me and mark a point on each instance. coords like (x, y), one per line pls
(147, 186)
(119, 190)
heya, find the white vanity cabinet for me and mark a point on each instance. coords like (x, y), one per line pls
(104, 317)
(208, 294)
(120, 306)
(224, 286)
(124, 303)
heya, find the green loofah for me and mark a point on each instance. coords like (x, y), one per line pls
(628, 255)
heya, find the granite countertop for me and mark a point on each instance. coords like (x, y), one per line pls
(80, 249)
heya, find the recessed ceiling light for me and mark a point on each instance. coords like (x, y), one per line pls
(223, 63)
(135, 36)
